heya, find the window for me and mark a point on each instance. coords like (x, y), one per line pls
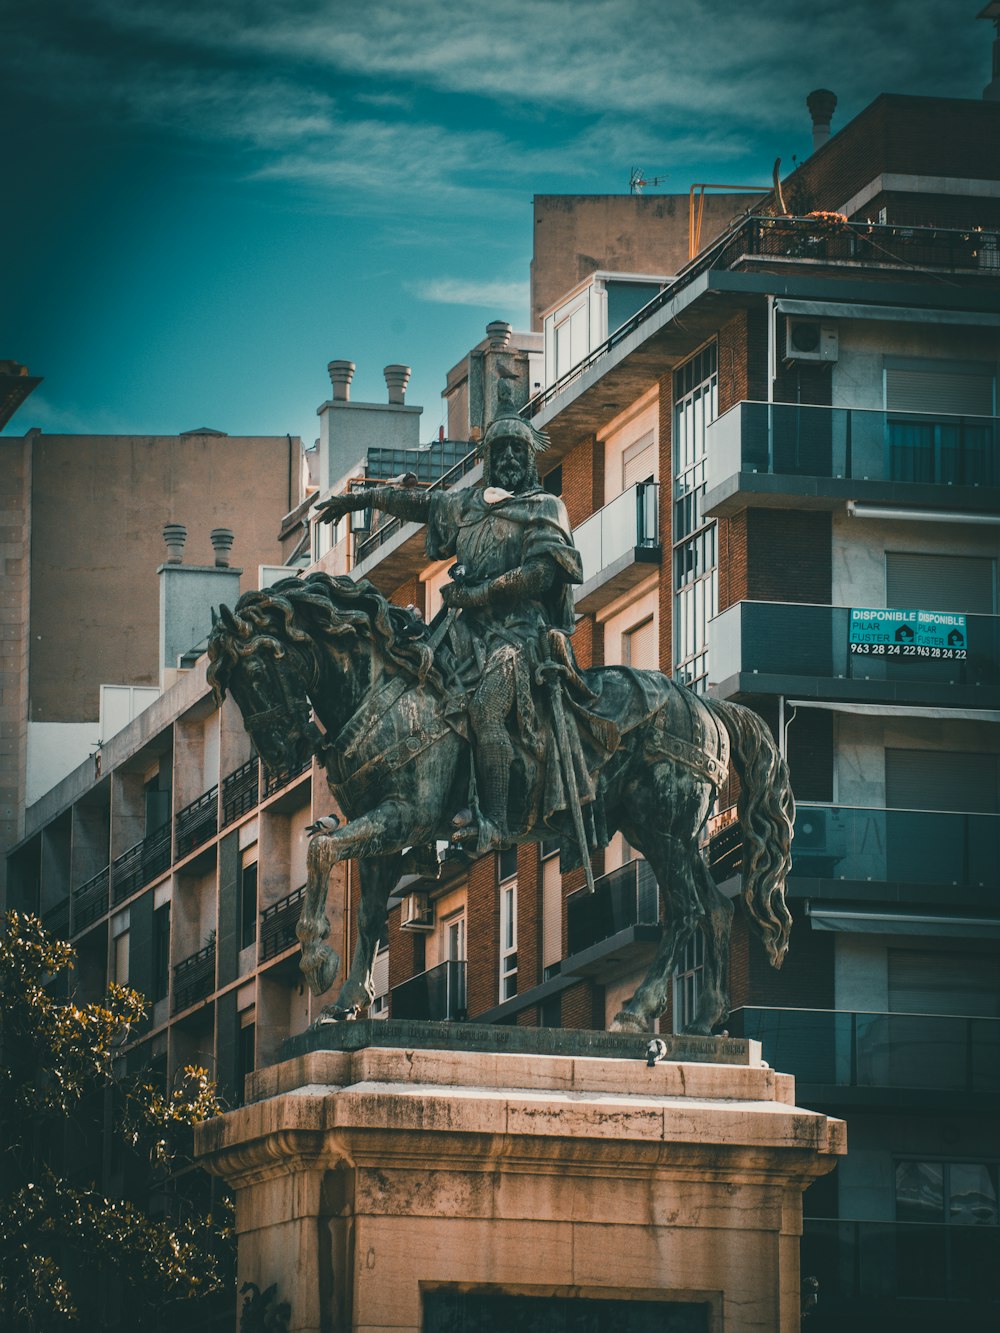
(696, 597)
(157, 800)
(161, 952)
(121, 958)
(687, 981)
(639, 646)
(508, 940)
(947, 1193)
(454, 938)
(248, 905)
(953, 444)
(552, 481)
(942, 1250)
(507, 864)
(930, 582)
(245, 1048)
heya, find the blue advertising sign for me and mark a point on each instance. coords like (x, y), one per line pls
(892, 633)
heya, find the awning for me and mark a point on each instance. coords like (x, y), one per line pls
(897, 313)
(901, 710)
(856, 921)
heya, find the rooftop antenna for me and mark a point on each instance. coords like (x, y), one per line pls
(637, 181)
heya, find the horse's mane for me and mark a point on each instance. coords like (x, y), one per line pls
(320, 608)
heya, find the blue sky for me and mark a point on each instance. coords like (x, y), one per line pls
(208, 200)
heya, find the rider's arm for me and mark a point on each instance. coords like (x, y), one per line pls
(407, 502)
(527, 582)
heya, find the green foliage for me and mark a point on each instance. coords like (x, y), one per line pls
(62, 1240)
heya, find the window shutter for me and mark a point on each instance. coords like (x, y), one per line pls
(936, 392)
(922, 582)
(941, 780)
(932, 982)
(639, 647)
(639, 461)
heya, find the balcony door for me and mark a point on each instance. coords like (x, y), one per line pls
(940, 425)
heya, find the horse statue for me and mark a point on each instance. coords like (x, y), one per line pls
(395, 748)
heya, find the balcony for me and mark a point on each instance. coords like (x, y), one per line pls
(394, 551)
(197, 822)
(800, 650)
(275, 781)
(618, 544)
(436, 995)
(140, 864)
(277, 924)
(783, 245)
(931, 847)
(56, 919)
(862, 1267)
(830, 1051)
(618, 923)
(90, 900)
(240, 791)
(194, 978)
(768, 454)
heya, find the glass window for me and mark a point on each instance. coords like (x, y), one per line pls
(687, 981)
(248, 905)
(956, 1193)
(696, 596)
(508, 941)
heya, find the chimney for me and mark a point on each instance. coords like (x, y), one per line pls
(396, 380)
(222, 543)
(175, 535)
(498, 331)
(341, 373)
(822, 104)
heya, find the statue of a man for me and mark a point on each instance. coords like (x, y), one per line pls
(511, 585)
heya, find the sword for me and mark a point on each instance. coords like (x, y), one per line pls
(550, 673)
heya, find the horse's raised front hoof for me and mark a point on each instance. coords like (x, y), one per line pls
(623, 1021)
(337, 1013)
(320, 965)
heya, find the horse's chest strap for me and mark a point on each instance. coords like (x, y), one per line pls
(689, 756)
(373, 774)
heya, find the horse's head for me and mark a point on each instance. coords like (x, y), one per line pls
(269, 673)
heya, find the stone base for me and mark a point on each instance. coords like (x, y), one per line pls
(407, 1188)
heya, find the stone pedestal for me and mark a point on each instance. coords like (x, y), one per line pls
(397, 1186)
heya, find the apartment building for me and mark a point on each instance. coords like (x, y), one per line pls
(782, 473)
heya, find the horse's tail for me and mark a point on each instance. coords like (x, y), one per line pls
(766, 811)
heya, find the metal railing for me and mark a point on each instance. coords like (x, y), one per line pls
(194, 978)
(436, 994)
(627, 523)
(278, 922)
(841, 1048)
(870, 1262)
(275, 781)
(197, 822)
(240, 791)
(386, 530)
(141, 863)
(862, 244)
(91, 899)
(625, 897)
(55, 919)
(796, 440)
(798, 639)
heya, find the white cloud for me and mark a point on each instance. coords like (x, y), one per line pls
(460, 291)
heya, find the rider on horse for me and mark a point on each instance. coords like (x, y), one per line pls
(511, 588)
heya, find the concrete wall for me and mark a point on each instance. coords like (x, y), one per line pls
(577, 234)
(98, 506)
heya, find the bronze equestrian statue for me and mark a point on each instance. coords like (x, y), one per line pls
(482, 728)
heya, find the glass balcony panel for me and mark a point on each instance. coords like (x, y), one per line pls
(906, 846)
(623, 898)
(627, 522)
(435, 995)
(792, 439)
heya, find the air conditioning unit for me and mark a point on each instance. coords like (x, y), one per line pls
(811, 830)
(417, 912)
(809, 340)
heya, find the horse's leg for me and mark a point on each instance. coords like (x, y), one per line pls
(371, 834)
(378, 877)
(713, 1004)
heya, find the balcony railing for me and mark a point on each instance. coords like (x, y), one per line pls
(623, 898)
(840, 1048)
(788, 439)
(194, 978)
(90, 900)
(197, 822)
(277, 924)
(275, 781)
(240, 791)
(628, 524)
(140, 864)
(870, 1262)
(861, 245)
(385, 530)
(56, 919)
(793, 639)
(905, 846)
(437, 994)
